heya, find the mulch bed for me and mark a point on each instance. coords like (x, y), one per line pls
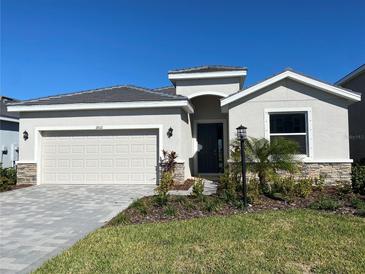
(147, 210)
(266, 203)
(186, 185)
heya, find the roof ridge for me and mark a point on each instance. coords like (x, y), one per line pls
(205, 67)
(165, 87)
(163, 94)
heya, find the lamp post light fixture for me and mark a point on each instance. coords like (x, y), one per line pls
(242, 136)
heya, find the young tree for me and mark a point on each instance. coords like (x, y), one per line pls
(266, 158)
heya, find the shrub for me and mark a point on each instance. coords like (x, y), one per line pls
(303, 187)
(212, 205)
(7, 178)
(286, 188)
(163, 188)
(253, 190)
(120, 219)
(170, 211)
(198, 187)
(325, 203)
(358, 179)
(343, 189)
(282, 188)
(228, 186)
(168, 162)
(359, 205)
(319, 182)
(139, 205)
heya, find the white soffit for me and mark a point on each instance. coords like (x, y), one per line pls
(94, 106)
(207, 75)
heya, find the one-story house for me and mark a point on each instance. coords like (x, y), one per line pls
(9, 134)
(355, 80)
(116, 135)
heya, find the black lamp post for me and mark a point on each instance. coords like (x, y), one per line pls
(242, 136)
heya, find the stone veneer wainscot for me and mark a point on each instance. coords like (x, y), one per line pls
(27, 173)
(333, 172)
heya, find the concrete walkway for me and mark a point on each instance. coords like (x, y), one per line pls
(210, 187)
(38, 222)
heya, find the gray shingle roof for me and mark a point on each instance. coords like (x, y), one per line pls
(126, 93)
(167, 90)
(209, 68)
(3, 110)
(351, 75)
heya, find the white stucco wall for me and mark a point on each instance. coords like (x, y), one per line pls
(166, 117)
(329, 116)
(225, 86)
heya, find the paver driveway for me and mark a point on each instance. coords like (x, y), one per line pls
(37, 223)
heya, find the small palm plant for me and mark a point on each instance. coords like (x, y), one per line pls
(266, 158)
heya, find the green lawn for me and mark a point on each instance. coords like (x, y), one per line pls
(276, 241)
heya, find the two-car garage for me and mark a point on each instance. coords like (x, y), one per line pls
(127, 156)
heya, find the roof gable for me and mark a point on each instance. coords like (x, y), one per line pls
(337, 91)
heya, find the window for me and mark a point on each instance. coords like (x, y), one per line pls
(292, 126)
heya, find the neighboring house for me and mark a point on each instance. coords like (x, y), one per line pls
(116, 135)
(9, 134)
(355, 81)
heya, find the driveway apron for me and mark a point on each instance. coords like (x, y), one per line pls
(39, 222)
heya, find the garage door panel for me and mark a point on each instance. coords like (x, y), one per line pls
(92, 149)
(77, 149)
(63, 163)
(99, 157)
(92, 163)
(92, 178)
(121, 163)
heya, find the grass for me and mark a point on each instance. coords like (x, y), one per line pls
(291, 241)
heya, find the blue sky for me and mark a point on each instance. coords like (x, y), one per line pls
(52, 46)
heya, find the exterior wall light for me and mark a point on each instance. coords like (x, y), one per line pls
(25, 135)
(242, 136)
(169, 132)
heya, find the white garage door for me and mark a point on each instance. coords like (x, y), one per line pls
(99, 157)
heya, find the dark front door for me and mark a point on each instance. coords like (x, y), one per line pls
(210, 148)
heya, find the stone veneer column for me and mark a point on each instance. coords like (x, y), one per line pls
(26, 173)
(333, 172)
(179, 174)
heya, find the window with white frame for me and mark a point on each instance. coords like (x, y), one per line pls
(292, 126)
